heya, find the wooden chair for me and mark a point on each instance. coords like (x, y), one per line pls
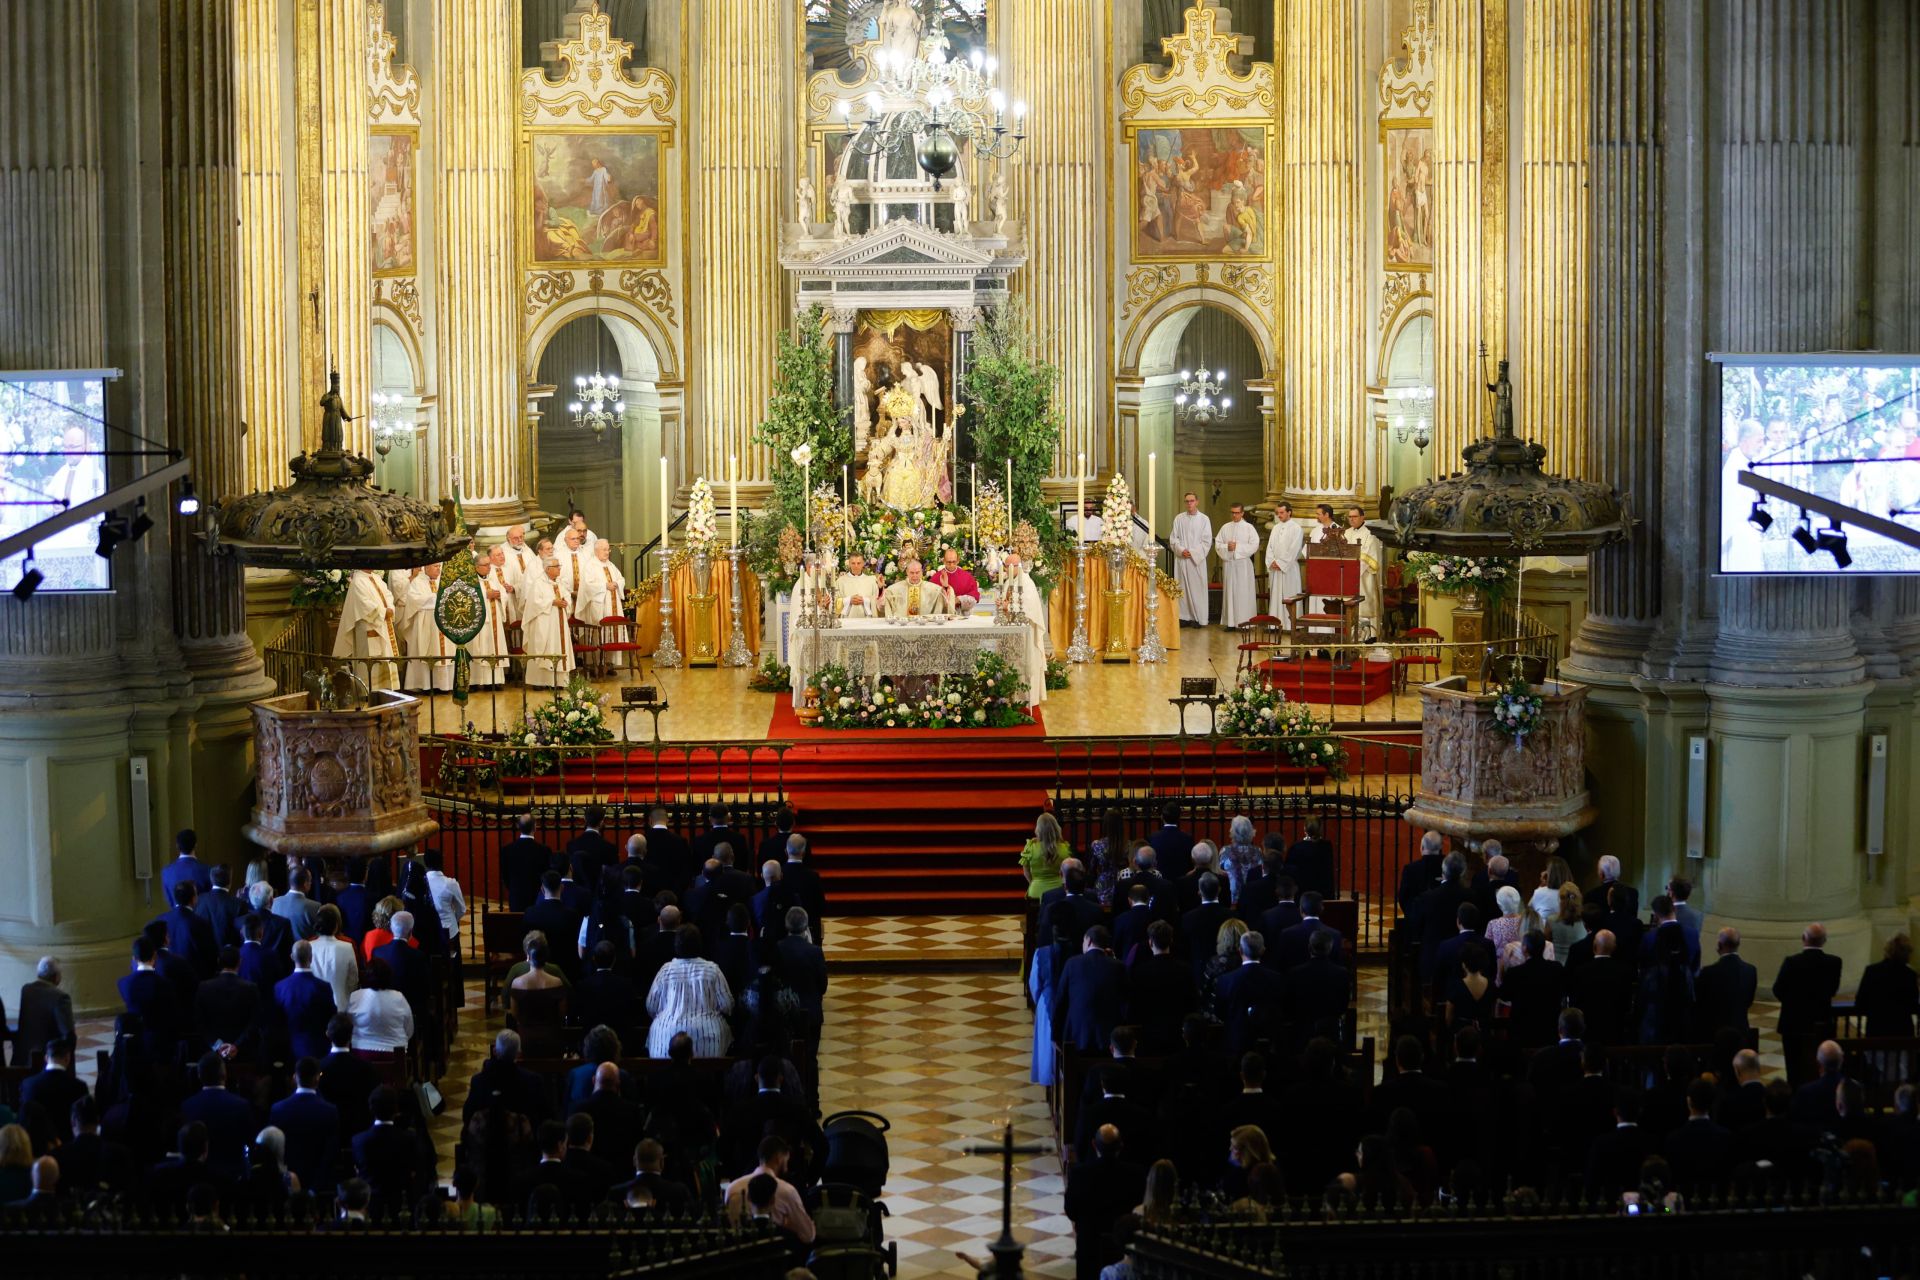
(1266, 635)
(1425, 654)
(586, 645)
(501, 933)
(1330, 574)
(617, 642)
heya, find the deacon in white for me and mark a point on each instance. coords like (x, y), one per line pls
(1237, 543)
(366, 630)
(1192, 541)
(856, 593)
(606, 587)
(489, 648)
(1087, 525)
(1017, 583)
(522, 567)
(1370, 556)
(429, 652)
(509, 611)
(1285, 545)
(400, 582)
(544, 629)
(915, 596)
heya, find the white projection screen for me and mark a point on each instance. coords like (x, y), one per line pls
(52, 442)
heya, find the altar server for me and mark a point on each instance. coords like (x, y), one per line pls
(522, 567)
(489, 649)
(366, 629)
(856, 593)
(1192, 542)
(545, 630)
(915, 596)
(1371, 553)
(1237, 544)
(429, 652)
(1285, 545)
(1018, 585)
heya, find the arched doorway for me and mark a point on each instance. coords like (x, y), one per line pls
(1219, 455)
(603, 473)
(1406, 420)
(399, 434)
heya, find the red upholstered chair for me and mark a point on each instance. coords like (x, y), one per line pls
(1331, 575)
(1424, 656)
(1266, 634)
(617, 645)
(586, 646)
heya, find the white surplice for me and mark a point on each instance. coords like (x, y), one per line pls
(1285, 545)
(1237, 543)
(1034, 668)
(429, 652)
(522, 565)
(366, 630)
(864, 585)
(545, 630)
(489, 648)
(1370, 556)
(1193, 533)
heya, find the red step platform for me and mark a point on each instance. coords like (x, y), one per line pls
(1318, 680)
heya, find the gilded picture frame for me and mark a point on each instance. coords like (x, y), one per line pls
(594, 197)
(393, 223)
(1219, 231)
(1406, 203)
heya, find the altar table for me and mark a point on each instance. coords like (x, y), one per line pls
(871, 647)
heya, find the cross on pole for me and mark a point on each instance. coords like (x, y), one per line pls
(1006, 1250)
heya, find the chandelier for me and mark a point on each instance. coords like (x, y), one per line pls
(392, 423)
(598, 405)
(933, 105)
(1200, 399)
(1410, 414)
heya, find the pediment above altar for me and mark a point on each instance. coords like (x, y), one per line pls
(902, 246)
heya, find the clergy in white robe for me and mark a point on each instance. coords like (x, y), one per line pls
(575, 561)
(1238, 543)
(1087, 526)
(429, 652)
(588, 538)
(366, 630)
(1371, 554)
(915, 596)
(509, 612)
(522, 566)
(400, 583)
(1324, 528)
(1192, 543)
(1285, 545)
(604, 586)
(1019, 588)
(545, 630)
(856, 593)
(489, 649)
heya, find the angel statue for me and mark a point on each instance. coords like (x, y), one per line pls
(803, 200)
(862, 404)
(843, 209)
(997, 197)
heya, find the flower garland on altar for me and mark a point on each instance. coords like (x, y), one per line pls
(703, 523)
(1116, 514)
(319, 589)
(1445, 575)
(1518, 710)
(1256, 712)
(990, 527)
(992, 696)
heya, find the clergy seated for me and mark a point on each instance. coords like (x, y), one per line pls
(915, 596)
(856, 592)
(964, 586)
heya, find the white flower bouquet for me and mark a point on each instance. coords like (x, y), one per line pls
(703, 523)
(1445, 575)
(320, 589)
(1116, 514)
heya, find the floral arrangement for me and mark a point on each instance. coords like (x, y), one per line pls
(992, 696)
(789, 548)
(320, 589)
(990, 515)
(1445, 575)
(1517, 710)
(1255, 711)
(1026, 544)
(1116, 514)
(576, 717)
(772, 676)
(825, 513)
(703, 525)
(469, 765)
(1059, 673)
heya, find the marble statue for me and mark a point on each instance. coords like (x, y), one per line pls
(926, 386)
(843, 209)
(961, 214)
(803, 200)
(997, 197)
(862, 404)
(900, 26)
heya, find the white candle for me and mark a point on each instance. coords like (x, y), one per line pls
(1080, 495)
(666, 514)
(846, 508)
(1153, 505)
(806, 503)
(733, 498)
(973, 500)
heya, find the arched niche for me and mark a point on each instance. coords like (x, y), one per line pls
(397, 373)
(1406, 360)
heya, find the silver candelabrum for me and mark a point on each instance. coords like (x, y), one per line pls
(667, 652)
(737, 654)
(1080, 650)
(1151, 649)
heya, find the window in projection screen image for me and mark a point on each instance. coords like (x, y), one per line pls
(51, 443)
(1842, 427)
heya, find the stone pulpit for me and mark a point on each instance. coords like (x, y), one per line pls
(338, 782)
(1477, 783)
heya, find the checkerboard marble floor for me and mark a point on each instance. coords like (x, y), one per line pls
(921, 940)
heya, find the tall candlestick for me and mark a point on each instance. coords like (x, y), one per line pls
(1153, 502)
(666, 512)
(733, 497)
(973, 501)
(1080, 496)
(846, 509)
(1010, 515)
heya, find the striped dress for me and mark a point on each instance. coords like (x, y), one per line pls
(690, 996)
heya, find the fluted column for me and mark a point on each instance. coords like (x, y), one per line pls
(262, 255)
(1052, 58)
(1550, 321)
(476, 299)
(740, 285)
(1323, 348)
(1629, 261)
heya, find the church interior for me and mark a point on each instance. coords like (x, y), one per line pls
(1124, 640)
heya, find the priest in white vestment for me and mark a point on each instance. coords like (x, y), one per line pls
(588, 538)
(366, 630)
(1238, 542)
(574, 563)
(1324, 530)
(509, 612)
(1087, 526)
(400, 583)
(1371, 554)
(522, 566)
(488, 650)
(1285, 546)
(1018, 587)
(607, 587)
(916, 596)
(856, 593)
(1192, 542)
(544, 630)
(429, 652)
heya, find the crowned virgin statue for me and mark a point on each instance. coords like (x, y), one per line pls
(907, 459)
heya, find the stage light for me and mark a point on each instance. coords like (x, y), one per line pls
(1760, 518)
(1833, 539)
(29, 581)
(141, 522)
(189, 505)
(1804, 535)
(112, 530)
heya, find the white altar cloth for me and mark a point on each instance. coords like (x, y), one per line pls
(871, 647)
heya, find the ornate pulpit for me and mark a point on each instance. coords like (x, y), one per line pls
(338, 782)
(1476, 782)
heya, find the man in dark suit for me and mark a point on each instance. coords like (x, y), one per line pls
(153, 1000)
(1783, 1144)
(221, 909)
(1410, 1086)
(1131, 923)
(1619, 898)
(1296, 944)
(1082, 907)
(774, 847)
(522, 862)
(226, 1007)
(804, 966)
(1317, 993)
(167, 1184)
(1556, 1068)
(227, 1116)
(90, 1163)
(412, 968)
(312, 1127)
(185, 867)
(617, 1119)
(45, 1013)
(1206, 862)
(1253, 1105)
(1487, 882)
(258, 963)
(1664, 920)
(1091, 996)
(1700, 1151)
(1535, 989)
(1745, 1103)
(706, 903)
(393, 1160)
(1310, 861)
(188, 935)
(1420, 875)
(1144, 870)
(1100, 1192)
(590, 850)
(1805, 987)
(1160, 990)
(47, 1096)
(1283, 914)
(670, 1196)
(736, 950)
(603, 997)
(550, 916)
(1172, 847)
(1603, 989)
(668, 851)
(276, 934)
(1114, 1108)
(1817, 1104)
(768, 907)
(355, 903)
(1200, 927)
(347, 1080)
(1613, 1162)
(597, 1173)
(552, 1171)
(1250, 998)
(1434, 912)
(305, 1003)
(1446, 957)
(771, 1110)
(719, 831)
(1723, 993)
(803, 884)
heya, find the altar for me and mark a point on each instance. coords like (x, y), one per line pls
(873, 647)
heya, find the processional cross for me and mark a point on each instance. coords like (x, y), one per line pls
(1006, 1250)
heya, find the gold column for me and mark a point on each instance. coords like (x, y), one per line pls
(1552, 325)
(1052, 55)
(476, 311)
(1469, 202)
(740, 291)
(1321, 342)
(262, 265)
(336, 282)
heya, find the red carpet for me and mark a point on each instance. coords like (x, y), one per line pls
(1317, 680)
(785, 724)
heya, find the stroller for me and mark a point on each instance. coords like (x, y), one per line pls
(848, 1239)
